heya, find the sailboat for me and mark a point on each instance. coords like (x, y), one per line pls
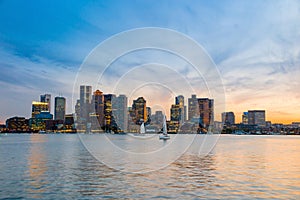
(164, 135)
(142, 129)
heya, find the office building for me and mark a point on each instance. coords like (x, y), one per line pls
(38, 123)
(157, 118)
(228, 118)
(257, 117)
(38, 107)
(98, 103)
(109, 120)
(46, 98)
(120, 112)
(138, 111)
(245, 118)
(17, 124)
(175, 113)
(85, 102)
(206, 112)
(60, 108)
(179, 100)
(193, 108)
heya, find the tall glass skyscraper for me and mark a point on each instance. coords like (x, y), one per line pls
(179, 100)
(193, 108)
(139, 111)
(206, 111)
(119, 110)
(60, 108)
(85, 102)
(46, 98)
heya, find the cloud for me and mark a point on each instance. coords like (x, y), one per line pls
(22, 80)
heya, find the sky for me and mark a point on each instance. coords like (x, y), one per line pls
(254, 45)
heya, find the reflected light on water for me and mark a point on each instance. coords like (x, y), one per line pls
(37, 165)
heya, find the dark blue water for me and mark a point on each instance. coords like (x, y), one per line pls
(60, 167)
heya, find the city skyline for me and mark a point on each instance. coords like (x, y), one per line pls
(97, 112)
(258, 61)
(184, 103)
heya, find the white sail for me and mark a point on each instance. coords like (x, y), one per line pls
(164, 135)
(142, 128)
(165, 126)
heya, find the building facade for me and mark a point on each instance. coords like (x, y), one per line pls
(245, 118)
(59, 108)
(98, 106)
(46, 98)
(228, 118)
(206, 112)
(120, 112)
(38, 107)
(193, 108)
(257, 117)
(17, 124)
(138, 111)
(85, 102)
(179, 100)
(109, 121)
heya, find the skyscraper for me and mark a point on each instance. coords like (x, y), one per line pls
(108, 117)
(175, 113)
(120, 110)
(85, 102)
(60, 108)
(228, 118)
(38, 107)
(139, 111)
(193, 107)
(179, 100)
(257, 117)
(157, 118)
(206, 111)
(98, 103)
(46, 98)
(245, 118)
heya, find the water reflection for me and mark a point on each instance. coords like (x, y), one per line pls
(58, 166)
(37, 166)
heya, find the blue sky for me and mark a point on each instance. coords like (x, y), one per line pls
(255, 45)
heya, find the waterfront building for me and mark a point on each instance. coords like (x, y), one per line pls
(228, 118)
(120, 112)
(54, 125)
(38, 107)
(77, 109)
(179, 100)
(173, 127)
(157, 118)
(257, 117)
(38, 122)
(3, 128)
(175, 113)
(60, 108)
(109, 121)
(46, 98)
(245, 118)
(193, 108)
(98, 103)
(296, 124)
(85, 102)
(138, 111)
(17, 124)
(69, 123)
(94, 123)
(44, 115)
(206, 112)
